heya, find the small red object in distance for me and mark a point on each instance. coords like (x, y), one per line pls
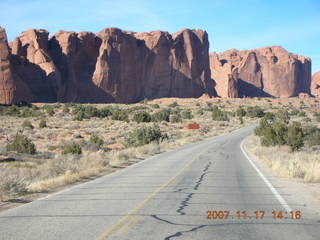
(193, 126)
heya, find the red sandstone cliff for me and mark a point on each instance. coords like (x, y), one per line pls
(120, 66)
(12, 89)
(269, 71)
(113, 65)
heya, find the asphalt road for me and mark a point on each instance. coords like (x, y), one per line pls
(167, 197)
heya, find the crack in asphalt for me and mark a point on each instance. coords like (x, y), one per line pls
(184, 202)
(179, 234)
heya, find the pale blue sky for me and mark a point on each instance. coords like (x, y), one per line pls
(246, 24)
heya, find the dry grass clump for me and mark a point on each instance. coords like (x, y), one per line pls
(303, 165)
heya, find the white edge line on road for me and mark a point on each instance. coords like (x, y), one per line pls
(273, 190)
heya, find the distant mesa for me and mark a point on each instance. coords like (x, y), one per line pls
(127, 67)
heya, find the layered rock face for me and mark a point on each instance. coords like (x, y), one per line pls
(225, 77)
(111, 66)
(265, 72)
(134, 66)
(315, 85)
(12, 89)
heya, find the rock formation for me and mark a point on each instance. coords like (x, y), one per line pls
(12, 89)
(315, 85)
(225, 77)
(269, 71)
(110, 66)
(126, 67)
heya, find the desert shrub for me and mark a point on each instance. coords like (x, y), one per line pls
(29, 112)
(175, 118)
(104, 112)
(302, 114)
(271, 133)
(96, 140)
(186, 114)
(145, 135)
(141, 117)
(241, 120)
(21, 144)
(209, 104)
(306, 119)
(174, 104)
(120, 115)
(27, 124)
(9, 110)
(49, 109)
(269, 116)
(241, 112)
(198, 104)
(136, 108)
(79, 116)
(155, 106)
(163, 115)
(219, 115)
(66, 109)
(205, 130)
(71, 148)
(42, 123)
(295, 136)
(255, 112)
(294, 112)
(283, 115)
(313, 138)
(200, 111)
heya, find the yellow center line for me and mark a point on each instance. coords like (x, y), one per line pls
(128, 225)
(122, 220)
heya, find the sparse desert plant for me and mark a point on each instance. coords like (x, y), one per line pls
(311, 135)
(120, 115)
(283, 115)
(186, 114)
(71, 148)
(42, 123)
(173, 105)
(155, 106)
(205, 129)
(21, 144)
(79, 116)
(27, 124)
(255, 112)
(66, 109)
(200, 111)
(219, 115)
(175, 118)
(49, 109)
(141, 117)
(241, 112)
(295, 136)
(162, 115)
(96, 140)
(104, 112)
(145, 135)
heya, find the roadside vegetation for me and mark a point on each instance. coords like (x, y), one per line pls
(44, 146)
(289, 143)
